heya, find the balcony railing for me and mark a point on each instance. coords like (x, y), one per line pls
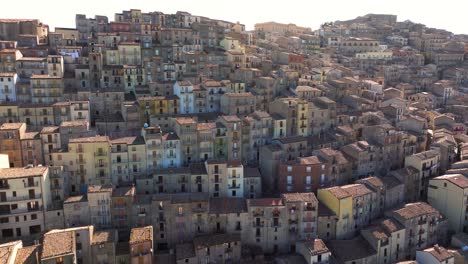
(234, 186)
(100, 154)
(31, 184)
(22, 198)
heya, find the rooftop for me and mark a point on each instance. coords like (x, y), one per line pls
(58, 243)
(12, 173)
(457, 179)
(142, 234)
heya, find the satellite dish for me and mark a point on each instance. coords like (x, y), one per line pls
(146, 125)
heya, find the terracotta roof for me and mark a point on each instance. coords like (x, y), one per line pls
(141, 234)
(12, 173)
(7, 74)
(440, 253)
(206, 126)
(30, 135)
(100, 237)
(315, 247)
(6, 251)
(413, 210)
(265, 202)
(184, 83)
(234, 163)
(99, 188)
(27, 255)
(74, 123)
(390, 225)
(184, 251)
(227, 205)
(185, 120)
(76, 199)
(457, 179)
(123, 140)
(11, 126)
(356, 190)
(50, 129)
(338, 192)
(310, 160)
(90, 139)
(58, 243)
(300, 197)
(427, 154)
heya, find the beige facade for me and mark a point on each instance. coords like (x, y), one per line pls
(449, 195)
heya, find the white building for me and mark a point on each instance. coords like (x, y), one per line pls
(235, 179)
(435, 255)
(184, 90)
(24, 194)
(8, 86)
(171, 153)
(99, 202)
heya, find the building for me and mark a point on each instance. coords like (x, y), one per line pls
(314, 251)
(448, 194)
(435, 255)
(141, 245)
(25, 195)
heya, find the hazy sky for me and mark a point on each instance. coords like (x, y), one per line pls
(447, 14)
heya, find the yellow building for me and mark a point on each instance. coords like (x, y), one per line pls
(157, 105)
(449, 195)
(8, 113)
(341, 203)
(87, 161)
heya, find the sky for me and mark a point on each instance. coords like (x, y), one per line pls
(447, 14)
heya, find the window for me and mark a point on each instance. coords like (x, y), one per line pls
(181, 210)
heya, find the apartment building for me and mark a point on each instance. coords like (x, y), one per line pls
(314, 251)
(100, 205)
(87, 160)
(355, 205)
(141, 245)
(128, 157)
(25, 195)
(257, 128)
(435, 255)
(171, 150)
(184, 90)
(296, 112)
(8, 82)
(449, 195)
(216, 248)
(427, 164)
(305, 174)
(46, 89)
(424, 226)
(10, 142)
(238, 103)
(233, 139)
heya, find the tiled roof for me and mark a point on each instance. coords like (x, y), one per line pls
(357, 190)
(57, 243)
(100, 237)
(75, 199)
(440, 253)
(6, 251)
(349, 250)
(457, 179)
(90, 139)
(300, 197)
(11, 173)
(27, 255)
(99, 188)
(316, 247)
(413, 210)
(338, 192)
(11, 126)
(265, 202)
(142, 234)
(227, 205)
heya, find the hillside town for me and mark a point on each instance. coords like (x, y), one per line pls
(175, 138)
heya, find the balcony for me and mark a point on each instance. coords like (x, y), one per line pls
(56, 187)
(293, 221)
(198, 209)
(258, 213)
(31, 184)
(234, 176)
(308, 230)
(257, 224)
(100, 154)
(293, 230)
(234, 186)
(22, 198)
(183, 180)
(81, 172)
(81, 108)
(80, 161)
(50, 141)
(100, 165)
